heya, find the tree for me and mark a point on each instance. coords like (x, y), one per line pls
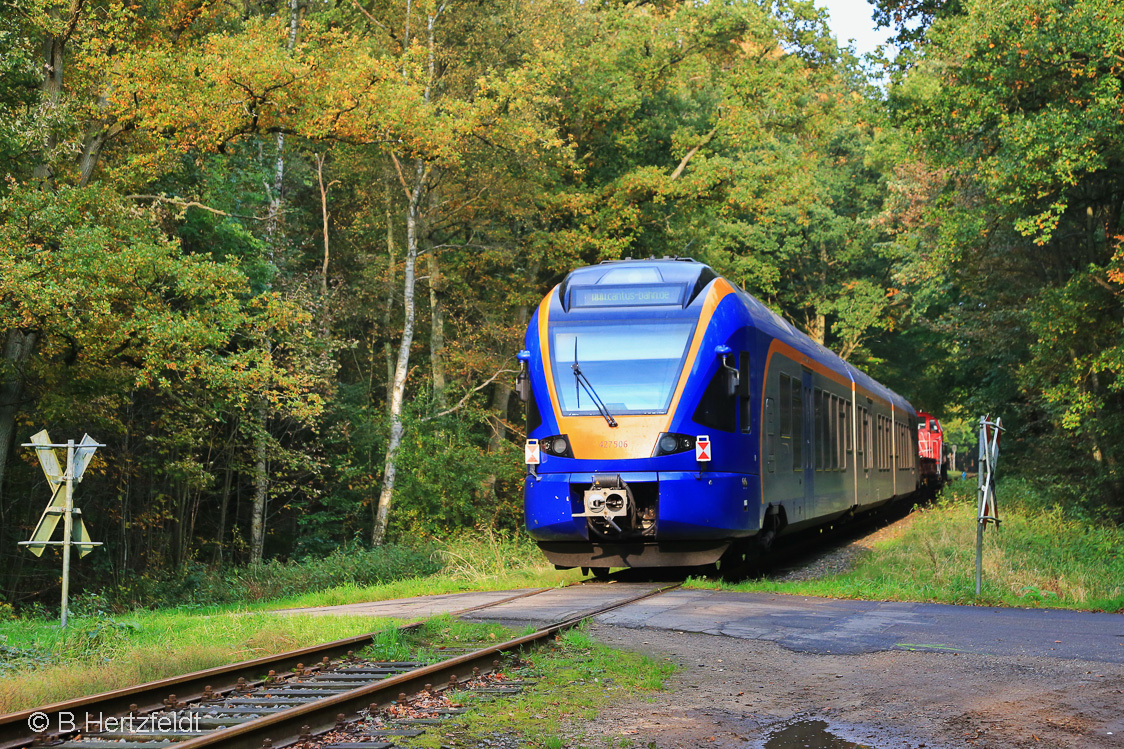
(1017, 116)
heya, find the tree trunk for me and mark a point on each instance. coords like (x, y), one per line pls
(387, 346)
(224, 506)
(324, 215)
(19, 345)
(53, 49)
(261, 449)
(261, 488)
(16, 353)
(401, 370)
(437, 331)
(98, 133)
(501, 397)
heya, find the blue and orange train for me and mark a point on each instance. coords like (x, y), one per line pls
(674, 420)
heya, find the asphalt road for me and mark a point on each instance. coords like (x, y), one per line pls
(800, 624)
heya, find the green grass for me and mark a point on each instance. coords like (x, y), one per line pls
(467, 564)
(39, 663)
(97, 654)
(1044, 555)
(575, 677)
(475, 560)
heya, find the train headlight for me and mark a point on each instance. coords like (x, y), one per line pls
(558, 444)
(670, 443)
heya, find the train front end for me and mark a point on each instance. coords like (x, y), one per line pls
(632, 382)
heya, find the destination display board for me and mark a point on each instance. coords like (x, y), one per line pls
(633, 295)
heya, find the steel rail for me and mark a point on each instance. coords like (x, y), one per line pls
(15, 732)
(288, 726)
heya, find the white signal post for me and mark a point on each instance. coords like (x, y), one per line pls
(74, 534)
(67, 528)
(987, 505)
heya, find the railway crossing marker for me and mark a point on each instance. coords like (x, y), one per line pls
(988, 509)
(62, 503)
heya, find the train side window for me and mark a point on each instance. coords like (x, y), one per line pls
(770, 432)
(892, 457)
(865, 440)
(786, 405)
(840, 434)
(825, 415)
(715, 409)
(871, 436)
(868, 439)
(817, 447)
(885, 444)
(875, 456)
(797, 426)
(828, 432)
(897, 447)
(860, 454)
(745, 412)
(878, 442)
(834, 432)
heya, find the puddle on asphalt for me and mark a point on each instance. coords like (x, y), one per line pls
(809, 734)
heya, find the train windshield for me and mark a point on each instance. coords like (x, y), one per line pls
(633, 366)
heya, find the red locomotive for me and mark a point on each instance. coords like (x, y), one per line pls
(930, 448)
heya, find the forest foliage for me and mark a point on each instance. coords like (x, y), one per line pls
(278, 255)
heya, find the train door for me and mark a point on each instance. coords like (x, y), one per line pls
(866, 463)
(809, 452)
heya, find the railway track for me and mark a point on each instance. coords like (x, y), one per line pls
(274, 701)
(803, 549)
(787, 554)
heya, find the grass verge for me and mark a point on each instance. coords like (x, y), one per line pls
(1043, 556)
(39, 663)
(575, 678)
(97, 654)
(467, 564)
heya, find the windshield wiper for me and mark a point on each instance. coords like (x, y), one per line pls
(583, 381)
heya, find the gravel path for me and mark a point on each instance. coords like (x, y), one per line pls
(736, 693)
(843, 558)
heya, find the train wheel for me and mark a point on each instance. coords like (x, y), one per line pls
(600, 573)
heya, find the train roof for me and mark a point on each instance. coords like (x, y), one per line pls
(698, 276)
(686, 272)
